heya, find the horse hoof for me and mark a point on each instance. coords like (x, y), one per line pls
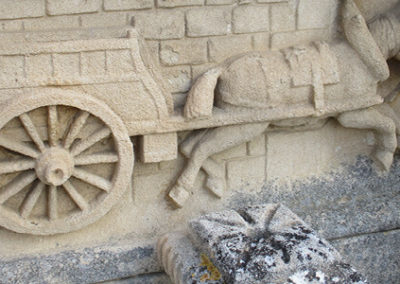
(216, 186)
(384, 159)
(178, 195)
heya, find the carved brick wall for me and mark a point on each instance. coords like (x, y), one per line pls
(187, 36)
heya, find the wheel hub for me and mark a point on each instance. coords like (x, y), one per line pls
(54, 166)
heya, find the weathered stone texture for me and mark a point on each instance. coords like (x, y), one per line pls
(208, 21)
(179, 78)
(308, 19)
(56, 7)
(110, 5)
(248, 19)
(223, 47)
(376, 255)
(248, 172)
(178, 3)
(60, 22)
(161, 24)
(283, 17)
(188, 51)
(104, 20)
(13, 9)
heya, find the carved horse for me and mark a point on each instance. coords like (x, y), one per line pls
(339, 79)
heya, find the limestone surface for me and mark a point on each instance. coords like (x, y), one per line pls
(259, 244)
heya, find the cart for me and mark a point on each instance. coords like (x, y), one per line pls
(68, 110)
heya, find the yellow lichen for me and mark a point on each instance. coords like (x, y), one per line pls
(213, 272)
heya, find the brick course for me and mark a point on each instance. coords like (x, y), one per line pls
(208, 21)
(248, 19)
(14, 9)
(57, 7)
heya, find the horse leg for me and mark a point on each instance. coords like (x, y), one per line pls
(215, 172)
(212, 142)
(383, 126)
(388, 111)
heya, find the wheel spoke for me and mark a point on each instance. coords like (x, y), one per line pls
(16, 185)
(76, 196)
(16, 166)
(92, 179)
(53, 203)
(18, 147)
(98, 158)
(52, 125)
(31, 199)
(75, 128)
(31, 130)
(90, 141)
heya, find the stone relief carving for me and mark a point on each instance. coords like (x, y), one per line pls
(69, 108)
(296, 87)
(264, 243)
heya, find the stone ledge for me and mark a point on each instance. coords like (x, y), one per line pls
(86, 265)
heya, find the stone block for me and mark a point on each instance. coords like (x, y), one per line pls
(376, 255)
(260, 244)
(14, 9)
(286, 39)
(178, 3)
(256, 146)
(250, 19)
(198, 70)
(283, 17)
(104, 20)
(232, 153)
(219, 2)
(60, 22)
(187, 51)
(309, 19)
(56, 7)
(179, 78)
(158, 147)
(112, 5)
(208, 21)
(11, 26)
(271, 1)
(221, 48)
(261, 42)
(161, 24)
(248, 173)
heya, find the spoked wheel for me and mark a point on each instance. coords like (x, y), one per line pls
(65, 160)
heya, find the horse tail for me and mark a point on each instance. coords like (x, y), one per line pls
(200, 99)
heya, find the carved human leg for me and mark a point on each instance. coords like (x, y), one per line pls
(212, 142)
(215, 171)
(383, 126)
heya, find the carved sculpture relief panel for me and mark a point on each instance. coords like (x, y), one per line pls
(70, 109)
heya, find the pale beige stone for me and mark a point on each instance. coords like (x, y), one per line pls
(14, 9)
(283, 17)
(104, 20)
(188, 51)
(247, 19)
(59, 22)
(161, 24)
(208, 21)
(55, 7)
(179, 78)
(221, 48)
(247, 172)
(316, 73)
(112, 5)
(178, 3)
(308, 19)
(158, 147)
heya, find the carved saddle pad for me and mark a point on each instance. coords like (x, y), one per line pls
(313, 65)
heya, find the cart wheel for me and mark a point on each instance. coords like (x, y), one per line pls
(65, 160)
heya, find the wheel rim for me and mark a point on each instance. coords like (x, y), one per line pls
(67, 173)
